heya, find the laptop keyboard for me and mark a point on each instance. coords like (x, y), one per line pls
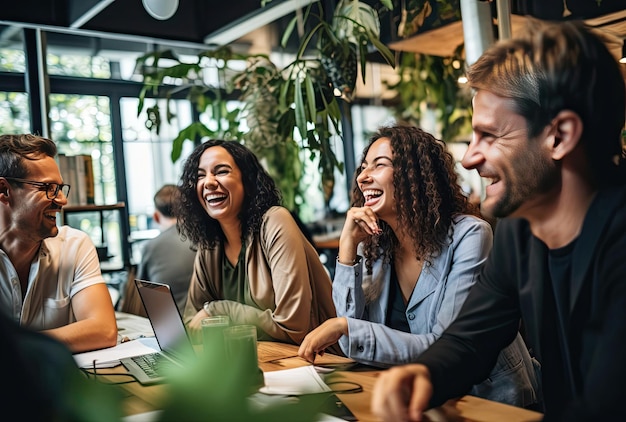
(151, 364)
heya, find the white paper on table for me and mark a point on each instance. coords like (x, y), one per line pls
(133, 326)
(293, 382)
(261, 402)
(151, 416)
(109, 357)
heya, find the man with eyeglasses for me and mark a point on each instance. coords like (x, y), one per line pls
(50, 278)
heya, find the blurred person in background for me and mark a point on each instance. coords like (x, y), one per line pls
(168, 258)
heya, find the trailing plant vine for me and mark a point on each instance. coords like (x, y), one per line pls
(433, 82)
(292, 114)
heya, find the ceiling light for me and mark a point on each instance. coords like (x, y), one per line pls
(160, 9)
(623, 59)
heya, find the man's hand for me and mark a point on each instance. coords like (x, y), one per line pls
(402, 393)
(323, 336)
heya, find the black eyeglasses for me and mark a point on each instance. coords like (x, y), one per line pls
(51, 189)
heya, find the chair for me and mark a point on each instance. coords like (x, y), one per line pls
(130, 300)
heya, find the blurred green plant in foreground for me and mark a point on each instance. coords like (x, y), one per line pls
(219, 390)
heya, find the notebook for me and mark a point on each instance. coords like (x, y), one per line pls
(169, 331)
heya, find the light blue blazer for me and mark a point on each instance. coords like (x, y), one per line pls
(435, 301)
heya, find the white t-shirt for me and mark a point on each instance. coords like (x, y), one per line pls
(66, 264)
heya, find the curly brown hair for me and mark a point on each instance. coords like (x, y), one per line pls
(427, 194)
(260, 194)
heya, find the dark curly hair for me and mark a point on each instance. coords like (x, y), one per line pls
(260, 194)
(427, 193)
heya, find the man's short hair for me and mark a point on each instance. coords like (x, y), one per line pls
(165, 198)
(15, 149)
(550, 67)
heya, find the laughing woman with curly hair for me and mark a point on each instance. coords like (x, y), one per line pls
(411, 248)
(253, 262)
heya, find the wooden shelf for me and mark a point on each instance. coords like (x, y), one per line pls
(444, 40)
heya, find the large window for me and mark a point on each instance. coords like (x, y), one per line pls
(14, 114)
(81, 124)
(12, 56)
(92, 57)
(80, 66)
(148, 157)
(93, 110)
(14, 108)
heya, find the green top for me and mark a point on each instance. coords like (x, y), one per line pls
(235, 284)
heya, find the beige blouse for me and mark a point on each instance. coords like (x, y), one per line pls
(288, 282)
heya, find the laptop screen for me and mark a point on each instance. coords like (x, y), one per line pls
(165, 319)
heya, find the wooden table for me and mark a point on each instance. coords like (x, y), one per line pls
(467, 409)
(278, 356)
(326, 241)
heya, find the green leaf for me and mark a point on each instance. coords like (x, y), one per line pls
(286, 123)
(194, 131)
(299, 109)
(181, 70)
(169, 114)
(363, 60)
(142, 96)
(288, 31)
(310, 93)
(284, 100)
(334, 112)
(307, 39)
(387, 3)
(314, 144)
(384, 51)
(177, 145)
(168, 54)
(233, 115)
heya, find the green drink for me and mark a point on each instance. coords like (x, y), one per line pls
(213, 336)
(241, 346)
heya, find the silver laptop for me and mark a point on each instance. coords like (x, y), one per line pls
(169, 331)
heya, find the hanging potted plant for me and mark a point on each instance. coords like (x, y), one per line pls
(278, 105)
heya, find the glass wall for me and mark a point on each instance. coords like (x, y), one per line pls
(93, 103)
(81, 124)
(12, 55)
(14, 108)
(148, 164)
(14, 113)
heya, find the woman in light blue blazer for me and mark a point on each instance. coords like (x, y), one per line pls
(410, 250)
